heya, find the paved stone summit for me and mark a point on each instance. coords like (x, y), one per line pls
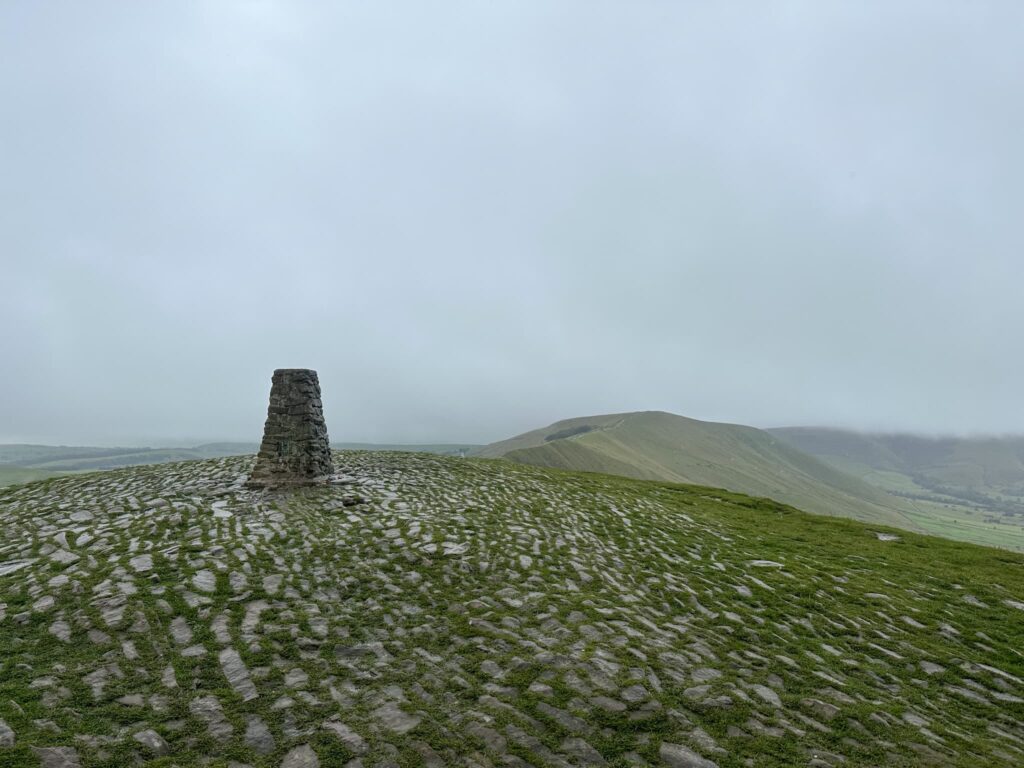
(295, 450)
(440, 612)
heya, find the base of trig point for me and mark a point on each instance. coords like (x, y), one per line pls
(295, 450)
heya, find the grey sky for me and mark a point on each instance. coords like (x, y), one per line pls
(474, 218)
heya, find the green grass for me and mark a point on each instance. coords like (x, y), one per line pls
(663, 446)
(127, 458)
(15, 475)
(966, 524)
(929, 486)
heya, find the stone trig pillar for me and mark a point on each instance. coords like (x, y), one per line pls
(295, 449)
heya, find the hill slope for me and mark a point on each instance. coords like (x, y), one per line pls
(15, 475)
(960, 484)
(653, 445)
(63, 458)
(435, 612)
(944, 465)
(73, 458)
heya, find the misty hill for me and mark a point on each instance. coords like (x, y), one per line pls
(442, 449)
(57, 459)
(434, 611)
(985, 473)
(63, 458)
(653, 445)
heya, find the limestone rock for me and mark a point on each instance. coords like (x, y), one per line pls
(61, 630)
(678, 756)
(394, 719)
(180, 631)
(301, 757)
(57, 757)
(352, 740)
(208, 709)
(258, 736)
(237, 674)
(153, 741)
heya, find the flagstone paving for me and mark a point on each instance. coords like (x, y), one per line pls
(435, 611)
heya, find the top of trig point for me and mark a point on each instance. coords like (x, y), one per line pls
(295, 448)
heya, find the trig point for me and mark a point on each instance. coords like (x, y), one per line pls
(295, 448)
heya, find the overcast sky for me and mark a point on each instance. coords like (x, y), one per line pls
(476, 218)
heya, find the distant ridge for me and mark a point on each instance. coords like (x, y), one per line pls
(979, 475)
(654, 445)
(965, 462)
(64, 458)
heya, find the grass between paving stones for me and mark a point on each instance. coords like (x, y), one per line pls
(578, 582)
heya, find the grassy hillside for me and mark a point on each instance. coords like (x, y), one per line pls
(63, 458)
(973, 484)
(442, 449)
(216, 450)
(942, 464)
(444, 612)
(33, 455)
(654, 445)
(17, 461)
(15, 475)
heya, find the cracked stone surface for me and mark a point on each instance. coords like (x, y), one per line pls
(152, 741)
(430, 611)
(57, 757)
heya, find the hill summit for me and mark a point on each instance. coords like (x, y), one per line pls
(434, 611)
(654, 445)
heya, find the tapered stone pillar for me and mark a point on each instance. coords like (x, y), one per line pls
(295, 449)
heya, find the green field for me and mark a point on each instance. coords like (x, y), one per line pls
(63, 458)
(15, 475)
